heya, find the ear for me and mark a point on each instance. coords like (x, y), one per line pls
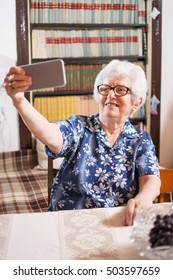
(137, 104)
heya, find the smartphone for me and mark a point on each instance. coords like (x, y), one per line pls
(46, 74)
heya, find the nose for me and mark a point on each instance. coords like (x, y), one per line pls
(111, 93)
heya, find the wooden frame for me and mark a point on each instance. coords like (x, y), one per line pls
(156, 73)
(23, 58)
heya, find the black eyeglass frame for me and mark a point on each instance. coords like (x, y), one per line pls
(114, 90)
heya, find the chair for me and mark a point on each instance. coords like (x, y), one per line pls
(166, 191)
(51, 174)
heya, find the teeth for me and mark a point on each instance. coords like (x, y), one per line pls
(112, 104)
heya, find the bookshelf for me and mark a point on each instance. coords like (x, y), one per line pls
(86, 35)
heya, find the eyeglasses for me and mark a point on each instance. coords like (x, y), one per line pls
(118, 90)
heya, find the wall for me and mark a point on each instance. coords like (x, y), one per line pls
(166, 129)
(9, 139)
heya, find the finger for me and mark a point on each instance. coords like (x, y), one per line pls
(10, 77)
(16, 70)
(132, 210)
(18, 77)
(129, 212)
(11, 85)
(15, 87)
(136, 210)
(18, 84)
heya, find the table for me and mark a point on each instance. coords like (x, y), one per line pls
(67, 235)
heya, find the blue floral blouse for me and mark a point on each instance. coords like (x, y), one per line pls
(96, 174)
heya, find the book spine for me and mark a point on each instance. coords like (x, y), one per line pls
(88, 11)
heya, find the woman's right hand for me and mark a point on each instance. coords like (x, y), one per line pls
(16, 82)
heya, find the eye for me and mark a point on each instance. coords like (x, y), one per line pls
(104, 88)
(121, 90)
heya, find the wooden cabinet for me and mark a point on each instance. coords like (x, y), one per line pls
(86, 35)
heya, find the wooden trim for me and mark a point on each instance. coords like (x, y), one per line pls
(94, 59)
(61, 26)
(156, 73)
(22, 32)
(51, 175)
(23, 58)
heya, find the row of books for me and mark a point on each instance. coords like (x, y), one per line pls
(81, 77)
(87, 43)
(62, 107)
(88, 11)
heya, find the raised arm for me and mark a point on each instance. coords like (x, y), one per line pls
(16, 82)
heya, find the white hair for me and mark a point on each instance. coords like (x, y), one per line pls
(133, 72)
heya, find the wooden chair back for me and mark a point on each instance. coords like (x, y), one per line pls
(166, 191)
(51, 174)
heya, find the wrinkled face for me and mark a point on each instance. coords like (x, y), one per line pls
(113, 106)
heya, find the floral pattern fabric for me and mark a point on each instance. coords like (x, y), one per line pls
(96, 174)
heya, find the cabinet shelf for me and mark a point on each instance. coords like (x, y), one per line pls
(54, 26)
(61, 93)
(94, 60)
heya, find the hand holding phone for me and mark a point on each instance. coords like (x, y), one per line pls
(46, 74)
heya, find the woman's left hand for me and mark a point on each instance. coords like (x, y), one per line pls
(133, 207)
(149, 189)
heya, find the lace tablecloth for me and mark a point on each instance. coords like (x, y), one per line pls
(77, 234)
(5, 231)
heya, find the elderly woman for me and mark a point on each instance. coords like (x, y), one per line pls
(107, 161)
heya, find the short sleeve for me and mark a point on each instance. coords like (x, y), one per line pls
(71, 130)
(146, 160)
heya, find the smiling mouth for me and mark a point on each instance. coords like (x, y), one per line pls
(111, 104)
